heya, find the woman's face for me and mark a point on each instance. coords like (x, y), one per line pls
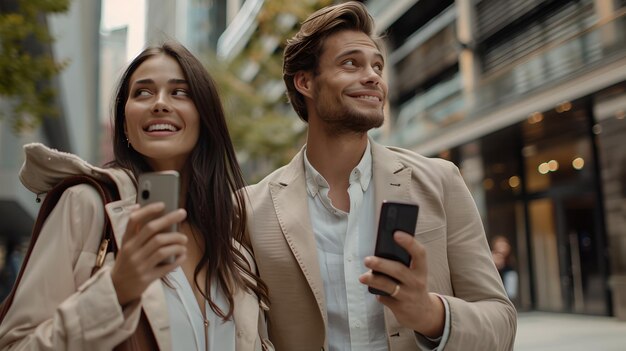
(162, 122)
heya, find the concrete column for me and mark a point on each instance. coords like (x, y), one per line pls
(605, 9)
(613, 175)
(469, 64)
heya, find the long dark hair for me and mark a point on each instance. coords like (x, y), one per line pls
(215, 199)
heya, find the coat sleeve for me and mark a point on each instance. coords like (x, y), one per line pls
(482, 317)
(57, 306)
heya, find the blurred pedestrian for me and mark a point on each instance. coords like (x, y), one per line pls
(501, 252)
(168, 116)
(11, 266)
(313, 222)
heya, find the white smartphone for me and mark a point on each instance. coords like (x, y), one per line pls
(163, 187)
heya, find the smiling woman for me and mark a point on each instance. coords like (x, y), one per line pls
(162, 121)
(167, 116)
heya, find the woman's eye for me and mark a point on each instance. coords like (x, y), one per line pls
(180, 92)
(142, 92)
(349, 62)
(378, 67)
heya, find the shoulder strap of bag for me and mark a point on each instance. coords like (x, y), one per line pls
(107, 193)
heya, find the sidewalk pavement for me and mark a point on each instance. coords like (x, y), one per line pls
(541, 331)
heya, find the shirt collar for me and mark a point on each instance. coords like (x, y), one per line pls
(362, 173)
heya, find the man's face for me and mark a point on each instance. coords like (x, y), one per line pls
(349, 92)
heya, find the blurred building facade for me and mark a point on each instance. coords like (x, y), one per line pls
(113, 58)
(76, 128)
(197, 24)
(528, 98)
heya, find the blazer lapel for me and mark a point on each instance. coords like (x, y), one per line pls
(246, 318)
(119, 212)
(153, 299)
(290, 202)
(154, 305)
(392, 179)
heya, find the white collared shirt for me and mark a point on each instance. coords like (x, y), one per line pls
(186, 321)
(355, 318)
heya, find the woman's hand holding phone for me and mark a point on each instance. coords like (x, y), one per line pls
(152, 245)
(145, 247)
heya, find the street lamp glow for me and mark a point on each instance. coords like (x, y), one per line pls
(578, 163)
(553, 166)
(514, 181)
(488, 184)
(543, 168)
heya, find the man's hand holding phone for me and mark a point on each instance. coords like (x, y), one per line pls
(398, 272)
(394, 216)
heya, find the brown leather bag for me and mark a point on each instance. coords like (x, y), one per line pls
(143, 337)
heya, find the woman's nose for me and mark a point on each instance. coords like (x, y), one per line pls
(159, 108)
(161, 105)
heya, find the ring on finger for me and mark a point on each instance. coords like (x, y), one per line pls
(396, 290)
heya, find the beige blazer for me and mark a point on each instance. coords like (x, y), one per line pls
(58, 306)
(449, 226)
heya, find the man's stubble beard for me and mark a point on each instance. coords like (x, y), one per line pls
(345, 120)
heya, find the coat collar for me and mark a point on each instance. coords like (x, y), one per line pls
(391, 177)
(44, 168)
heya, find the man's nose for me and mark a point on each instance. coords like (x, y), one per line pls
(372, 76)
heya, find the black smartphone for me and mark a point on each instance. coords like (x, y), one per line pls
(160, 187)
(394, 216)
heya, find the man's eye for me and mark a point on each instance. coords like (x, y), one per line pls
(349, 62)
(378, 67)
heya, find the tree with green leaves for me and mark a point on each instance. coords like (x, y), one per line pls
(26, 63)
(265, 129)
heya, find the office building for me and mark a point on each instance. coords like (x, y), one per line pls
(528, 98)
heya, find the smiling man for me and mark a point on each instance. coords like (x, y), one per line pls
(312, 223)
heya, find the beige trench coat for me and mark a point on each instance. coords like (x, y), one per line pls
(58, 306)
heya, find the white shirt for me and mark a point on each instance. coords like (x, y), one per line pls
(355, 319)
(343, 242)
(186, 322)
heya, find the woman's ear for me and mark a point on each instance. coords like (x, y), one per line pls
(304, 83)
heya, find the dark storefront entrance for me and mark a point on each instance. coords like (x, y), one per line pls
(567, 260)
(536, 183)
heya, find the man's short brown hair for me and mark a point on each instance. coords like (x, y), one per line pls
(304, 49)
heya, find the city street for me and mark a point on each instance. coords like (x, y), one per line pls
(540, 331)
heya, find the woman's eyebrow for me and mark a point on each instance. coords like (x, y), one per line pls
(171, 81)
